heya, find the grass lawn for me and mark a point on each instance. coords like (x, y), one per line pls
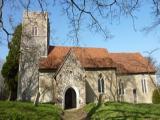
(123, 111)
(27, 111)
(106, 111)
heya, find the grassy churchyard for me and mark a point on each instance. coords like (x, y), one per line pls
(27, 111)
(106, 111)
(123, 111)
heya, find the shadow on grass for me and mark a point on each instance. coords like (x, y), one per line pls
(122, 111)
(92, 111)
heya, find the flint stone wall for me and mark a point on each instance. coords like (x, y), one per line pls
(134, 82)
(110, 85)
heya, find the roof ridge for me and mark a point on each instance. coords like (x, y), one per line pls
(124, 53)
(77, 47)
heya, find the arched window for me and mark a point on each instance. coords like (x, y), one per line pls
(121, 88)
(144, 86)
(101, 85)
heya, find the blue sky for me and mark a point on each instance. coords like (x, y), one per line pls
(125, 39)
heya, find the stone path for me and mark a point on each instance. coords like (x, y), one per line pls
(74, 114)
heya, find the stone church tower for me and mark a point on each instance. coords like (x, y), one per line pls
(34, 44)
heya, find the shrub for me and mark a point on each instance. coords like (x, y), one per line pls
(156, 96)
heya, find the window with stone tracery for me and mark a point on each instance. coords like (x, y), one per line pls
(144, 86)
(101, 85)
(34, 31)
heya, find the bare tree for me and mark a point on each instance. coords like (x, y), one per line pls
(152, 61)
(158, 74)
(79, 12)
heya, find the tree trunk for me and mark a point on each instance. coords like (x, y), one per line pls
(13, 93)
(37, 99)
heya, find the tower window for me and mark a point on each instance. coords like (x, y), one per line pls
(34, 31)
(101, 85)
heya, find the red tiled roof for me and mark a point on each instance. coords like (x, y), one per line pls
(88, 57)
(97, 58)
(132, 63)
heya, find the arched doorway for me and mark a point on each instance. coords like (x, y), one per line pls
(70, 98)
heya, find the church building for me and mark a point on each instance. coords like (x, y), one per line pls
(75, 76)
